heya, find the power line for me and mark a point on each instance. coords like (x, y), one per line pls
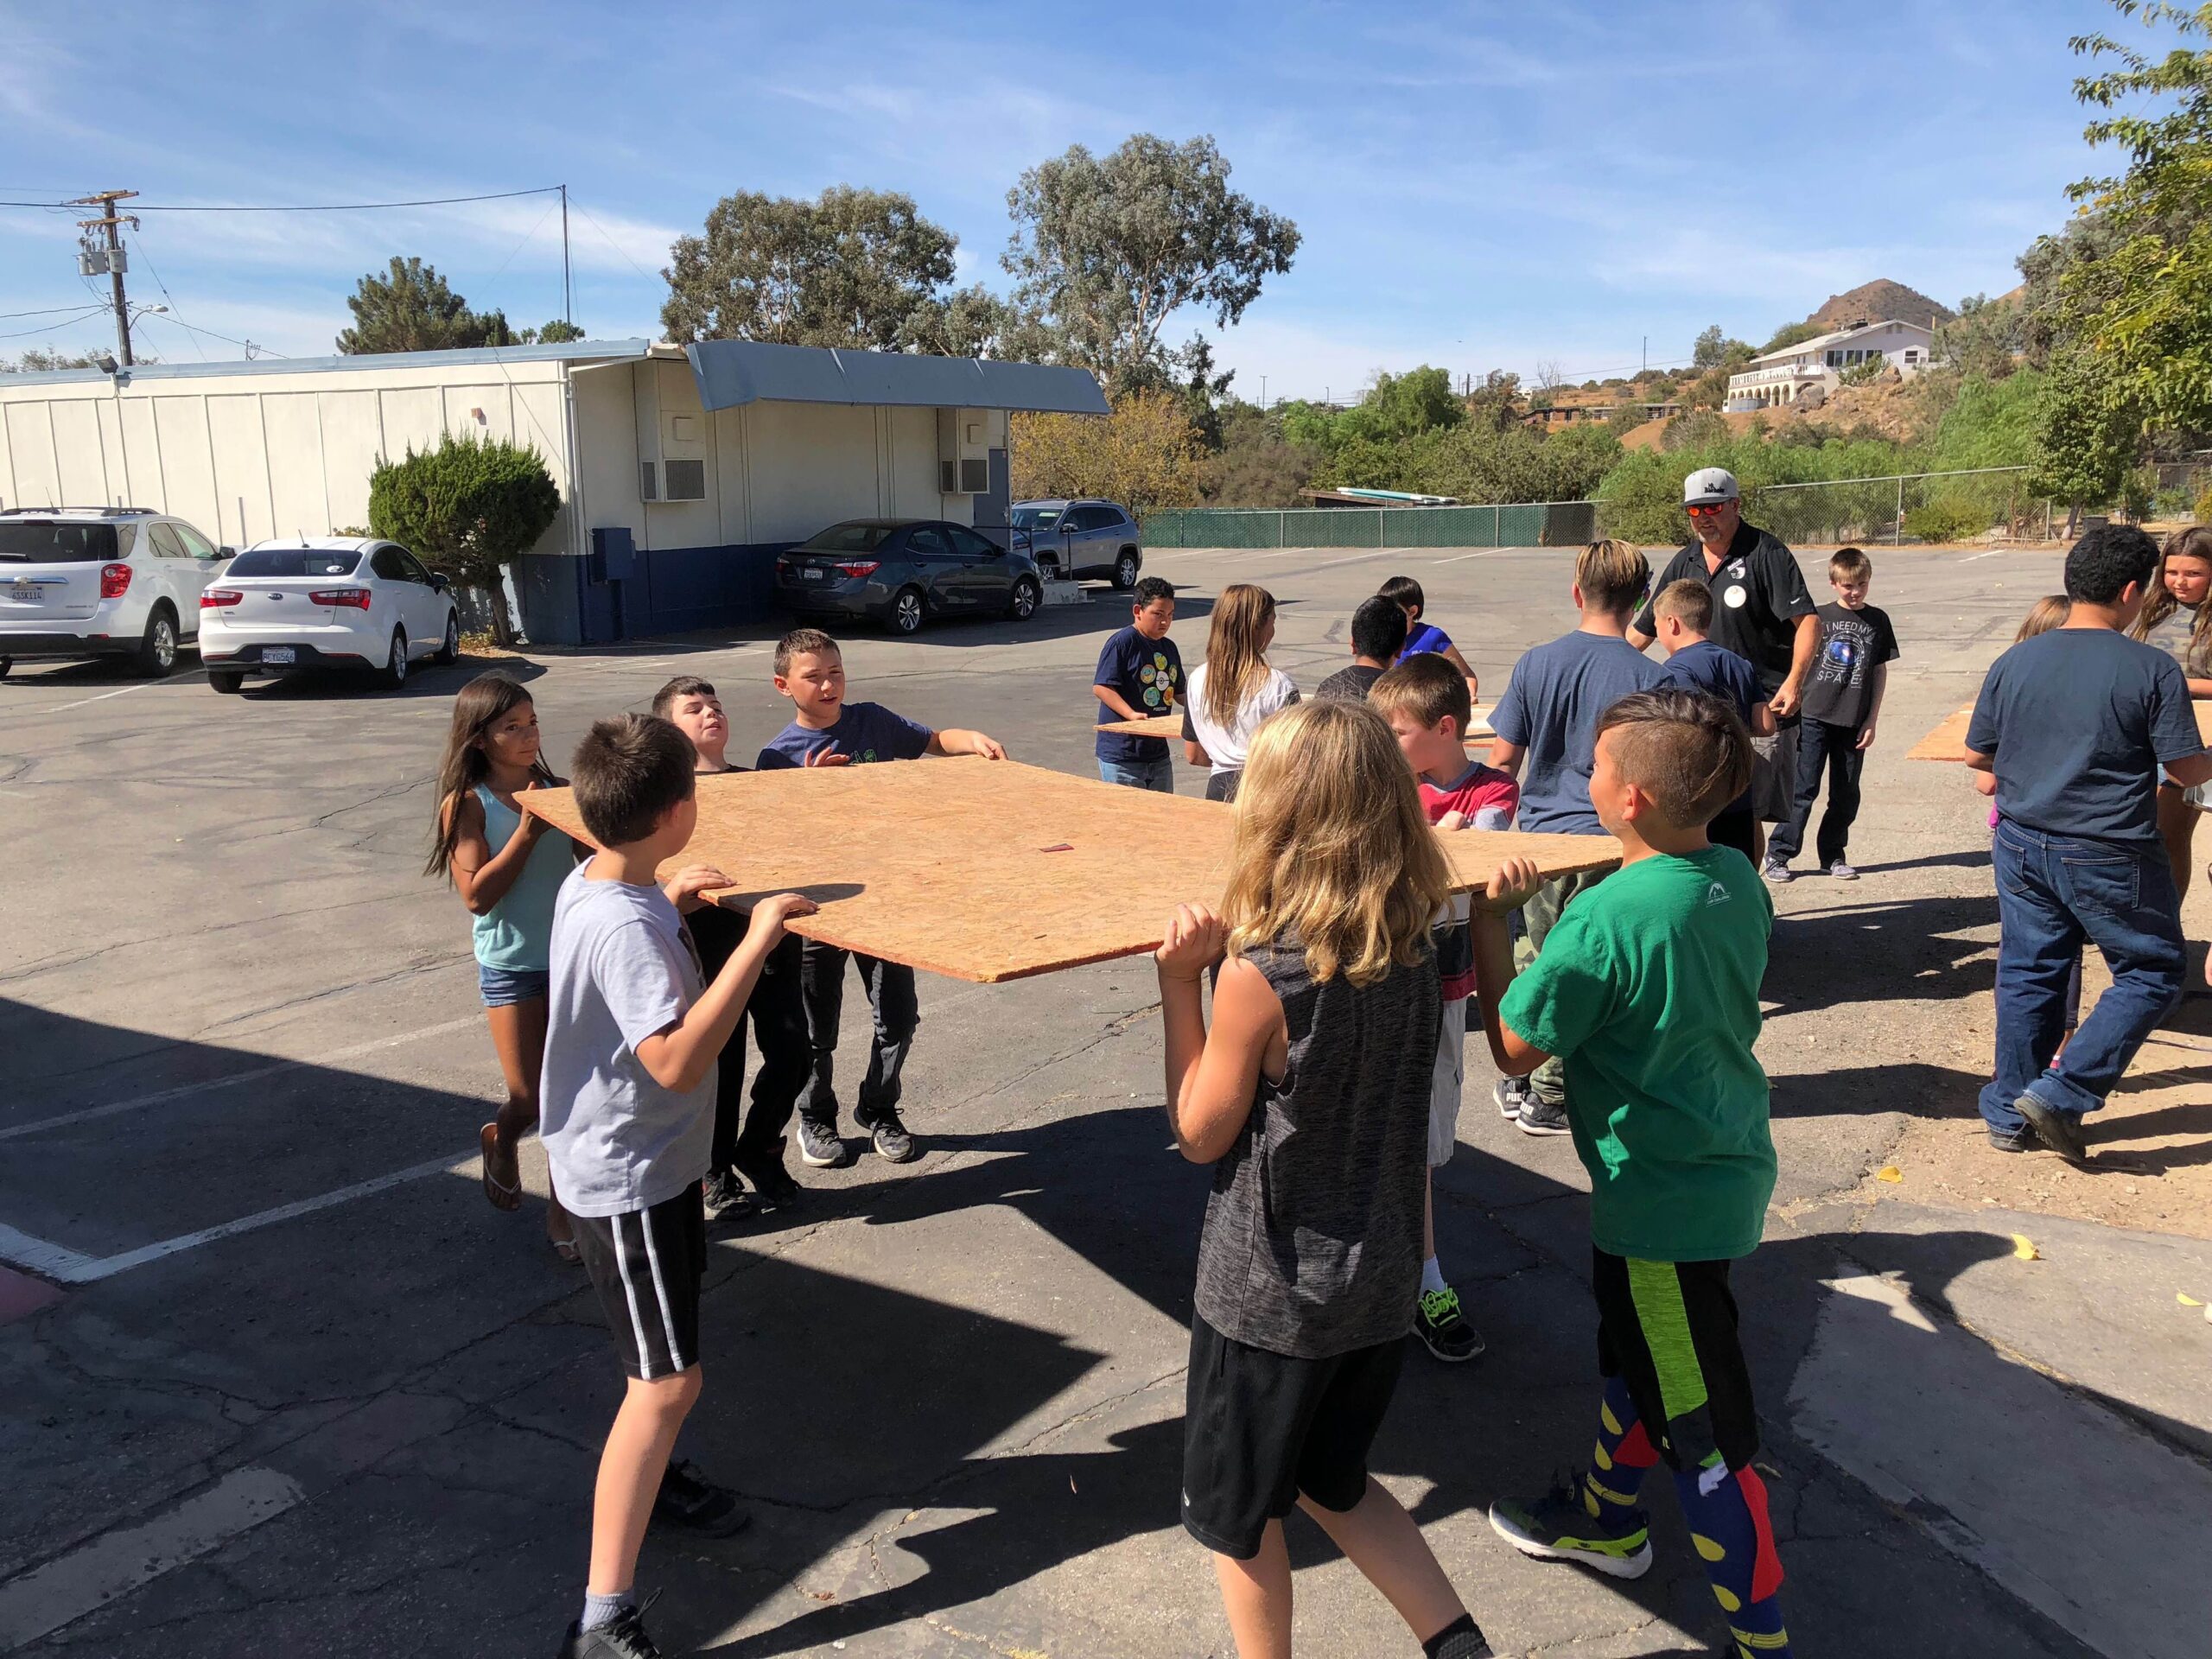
(309, 208)
(10, 316)
(250, 344)
(70, 323)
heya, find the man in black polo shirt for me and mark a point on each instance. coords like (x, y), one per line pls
(1761, 610)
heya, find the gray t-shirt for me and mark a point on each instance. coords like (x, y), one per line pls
(1313, 1240)
(1550, 709)
(623, 969)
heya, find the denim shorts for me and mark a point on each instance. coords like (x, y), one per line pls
(503, 987)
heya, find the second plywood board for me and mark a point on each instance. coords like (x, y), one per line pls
(1948, 741)
(1170, 726)
(991, 870)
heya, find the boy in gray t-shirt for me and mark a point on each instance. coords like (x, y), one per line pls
(627, 1117)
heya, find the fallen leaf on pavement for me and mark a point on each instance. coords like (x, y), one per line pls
(2025, 1248)
(1889, 1173)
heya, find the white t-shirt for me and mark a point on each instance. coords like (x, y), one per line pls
(1225, 746)
(622, 970)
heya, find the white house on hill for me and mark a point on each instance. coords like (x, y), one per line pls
(1784, 376)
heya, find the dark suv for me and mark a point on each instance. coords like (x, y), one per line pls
(902, 571)
(1080, 539)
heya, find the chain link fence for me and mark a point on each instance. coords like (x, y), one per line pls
(1532, 524)
(1914, 509)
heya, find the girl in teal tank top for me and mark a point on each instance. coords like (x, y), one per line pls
(508, 867)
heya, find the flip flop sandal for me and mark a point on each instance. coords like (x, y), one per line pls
(566, 1249)
(502, 1195)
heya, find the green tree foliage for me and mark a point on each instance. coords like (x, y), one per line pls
(409, 307)
(1106, 248)
(468, 509)
(552, 333)
(1254, 464)
(1495, 400)
(1791, 333)
(1983, 340)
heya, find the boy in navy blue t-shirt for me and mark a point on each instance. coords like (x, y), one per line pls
(1140, 674)
(2076, 723)
(1682, 616)
(828, 731)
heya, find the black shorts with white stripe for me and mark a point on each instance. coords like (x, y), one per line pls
(647, 1266)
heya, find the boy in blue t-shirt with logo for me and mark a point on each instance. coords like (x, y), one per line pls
(1140, 674)
(1648, 989)
(828, 731)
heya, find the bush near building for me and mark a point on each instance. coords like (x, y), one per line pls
(467, 509)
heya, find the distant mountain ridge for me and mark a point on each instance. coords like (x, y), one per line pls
(1881, 301)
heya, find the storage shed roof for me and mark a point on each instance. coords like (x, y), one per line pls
(735, 372)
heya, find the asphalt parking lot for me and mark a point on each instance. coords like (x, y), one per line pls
(300, 1390)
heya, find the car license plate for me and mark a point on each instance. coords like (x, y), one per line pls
(811, 573)
(23, 593)
(276, 653)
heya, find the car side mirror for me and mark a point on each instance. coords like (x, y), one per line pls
(439, 583)
(221, 553)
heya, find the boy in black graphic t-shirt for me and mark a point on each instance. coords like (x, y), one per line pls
(1843, 699)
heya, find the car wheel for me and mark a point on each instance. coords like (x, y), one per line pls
(449, 648)
(1125, 570)
(229, 681)
(394, 673)
(1025, 599)
(906, 611)
(157, 651)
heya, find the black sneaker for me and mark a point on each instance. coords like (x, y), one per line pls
(1541, 1117)
(892, 1144)
(820, 1146)
(1558, 1527)
(2060, 1131)
(1511, 1095)
(2023, 1139)
(690, 1502)
(773, 1185)
(625, 1638)
(726, 1197)
(1444, 1331)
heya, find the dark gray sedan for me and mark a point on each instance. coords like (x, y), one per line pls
(901, 572)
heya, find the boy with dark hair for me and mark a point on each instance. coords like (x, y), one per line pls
(1648, 989)
(1425, 701)
(746, 1144)
(1422, 638)
(828, 731)
(2076, 723)
(1140, 674)
(1843, 699)
(626, 1120)
(1548, 721)
(1378, 635)
(1682, 616)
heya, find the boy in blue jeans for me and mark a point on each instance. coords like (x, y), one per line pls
(2076, 723)
(1648, 989)
(1140, 674)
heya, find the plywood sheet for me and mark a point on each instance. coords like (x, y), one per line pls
(991, 870)
(1948, 741)
(1170, 726)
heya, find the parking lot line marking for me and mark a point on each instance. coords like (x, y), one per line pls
(123, 691)
(1479, 553)
(65, 1589)
(161, 1097)
(70, 1267)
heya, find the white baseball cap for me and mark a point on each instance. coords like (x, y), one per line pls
(1709, 485)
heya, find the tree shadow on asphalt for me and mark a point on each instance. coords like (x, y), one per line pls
(1922, 949)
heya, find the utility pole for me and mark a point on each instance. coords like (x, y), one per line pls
(1647, 357)
(568, 288)
(94, 257)
(1263, 393)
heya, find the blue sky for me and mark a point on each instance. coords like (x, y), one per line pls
(1479, 185)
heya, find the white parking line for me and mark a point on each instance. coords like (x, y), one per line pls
(123, 691)
(1479, 553)
(160, 1096)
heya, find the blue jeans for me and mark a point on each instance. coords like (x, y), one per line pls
(2053, 892)
(1140, 774)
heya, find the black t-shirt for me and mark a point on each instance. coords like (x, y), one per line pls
(1840, 691)
(1758, 594)
(1349, 685)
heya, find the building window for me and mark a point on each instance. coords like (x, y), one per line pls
(1835, 359)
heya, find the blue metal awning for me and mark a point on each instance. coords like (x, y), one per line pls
(731, 372)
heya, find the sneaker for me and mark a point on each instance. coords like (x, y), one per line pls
(1842, 872)
(1541, 1117)
(2060, 1131)
(726, 1196)
(625, 1638)
(773, 1185)
(1557, 1527)
(690, 1502)
(1777, 872)
(892, 1144)
(2023, 1139)
(820, 1146)
(1511, 1095)
(1443, 1329)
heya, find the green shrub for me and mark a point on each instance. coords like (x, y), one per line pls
(1945, 521)
(467, 509)
(2204, 508)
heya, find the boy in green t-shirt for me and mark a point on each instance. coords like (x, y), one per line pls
(1648, 990)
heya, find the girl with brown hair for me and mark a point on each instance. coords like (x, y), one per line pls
(2178, 619)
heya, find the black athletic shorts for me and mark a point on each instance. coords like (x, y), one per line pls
(1668, 1329)
(647, 1266)
(1259, 1428)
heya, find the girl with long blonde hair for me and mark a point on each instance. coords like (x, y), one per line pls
(1309, 1095)
(1234, 691)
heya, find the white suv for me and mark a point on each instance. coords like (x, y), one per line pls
(100, 581)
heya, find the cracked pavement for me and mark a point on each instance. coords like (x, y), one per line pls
(951, 1393)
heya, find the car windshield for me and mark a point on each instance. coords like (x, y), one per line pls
(49, 541)
(849, 538)
(293, 561)
(1036, 518)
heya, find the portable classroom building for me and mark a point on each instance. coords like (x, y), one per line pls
(682, 470)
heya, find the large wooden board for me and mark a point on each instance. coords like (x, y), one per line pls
(1170, 726)
(990, 870)
(1948, 741)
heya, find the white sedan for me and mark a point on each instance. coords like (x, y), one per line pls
(327, 601)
